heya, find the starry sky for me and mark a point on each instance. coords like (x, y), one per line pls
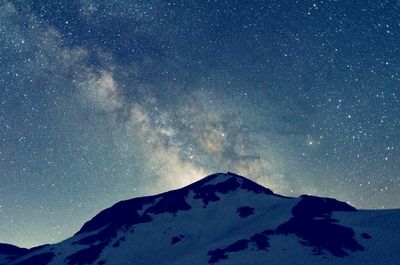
(102, 101)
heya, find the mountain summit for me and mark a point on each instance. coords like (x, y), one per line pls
(224, 219)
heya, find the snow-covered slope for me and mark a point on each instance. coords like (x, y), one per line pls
(225, 219)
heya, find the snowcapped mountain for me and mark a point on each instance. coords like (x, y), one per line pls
(224, 219)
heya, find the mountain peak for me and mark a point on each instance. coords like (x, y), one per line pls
(223, 218)
(216, 178)
(221, 177)
(208, 190)
(225, 182)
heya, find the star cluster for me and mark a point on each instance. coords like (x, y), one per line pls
(102, 101)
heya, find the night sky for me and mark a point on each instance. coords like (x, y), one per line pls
(102, 101)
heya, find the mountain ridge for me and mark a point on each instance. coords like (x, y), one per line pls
(224, 218)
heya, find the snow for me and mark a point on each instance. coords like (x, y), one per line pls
(187, 236)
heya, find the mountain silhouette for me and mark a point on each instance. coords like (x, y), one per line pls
(224, 219)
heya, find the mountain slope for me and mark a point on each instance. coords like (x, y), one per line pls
(226, 219)
(8, 252)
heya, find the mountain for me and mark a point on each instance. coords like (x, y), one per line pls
(224, 219)
(8, 252)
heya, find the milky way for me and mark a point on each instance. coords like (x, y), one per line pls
(102, 101)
